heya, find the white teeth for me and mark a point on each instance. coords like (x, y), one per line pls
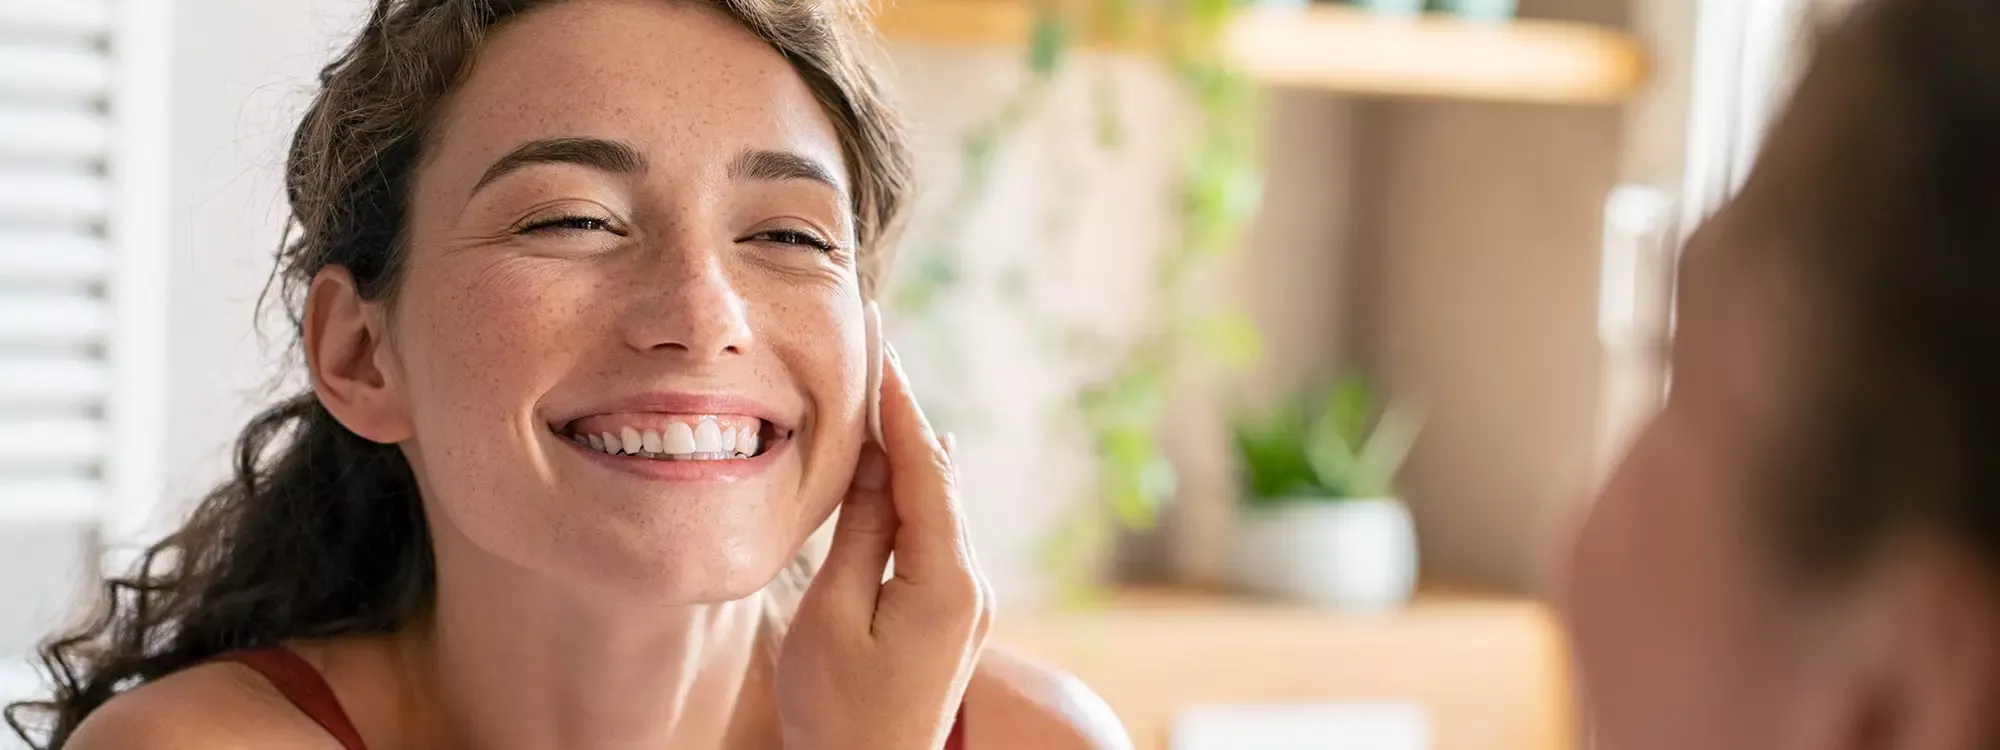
(678, 439)
(705, 440)
(707, 437)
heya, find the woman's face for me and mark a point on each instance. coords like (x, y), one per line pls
(632, 233)
(1683, 632)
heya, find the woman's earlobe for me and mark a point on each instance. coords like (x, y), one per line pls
(344, 348)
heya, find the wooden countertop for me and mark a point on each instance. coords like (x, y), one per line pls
(1489, 670)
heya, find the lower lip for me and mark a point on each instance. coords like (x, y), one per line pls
(667, 470)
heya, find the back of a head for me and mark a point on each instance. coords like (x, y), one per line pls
(1880, 188)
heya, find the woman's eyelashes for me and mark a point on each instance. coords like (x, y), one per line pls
(577, 223)
(795, 237)
(581, 223)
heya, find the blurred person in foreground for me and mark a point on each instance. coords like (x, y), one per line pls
(1802, 550)
(581, 288)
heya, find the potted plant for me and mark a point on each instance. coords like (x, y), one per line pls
(1321, 521)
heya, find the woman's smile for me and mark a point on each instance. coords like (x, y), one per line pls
(680, 437)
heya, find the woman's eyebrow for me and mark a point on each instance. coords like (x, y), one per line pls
(616, 157)
(775, 166)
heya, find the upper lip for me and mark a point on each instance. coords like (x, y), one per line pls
(677, 402)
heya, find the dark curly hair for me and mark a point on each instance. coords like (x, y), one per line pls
(320, 532)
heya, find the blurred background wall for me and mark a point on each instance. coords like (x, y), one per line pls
(243, 71)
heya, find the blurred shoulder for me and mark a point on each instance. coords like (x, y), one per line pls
(1017, 701)
(221, 705)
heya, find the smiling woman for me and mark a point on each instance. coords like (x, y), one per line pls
(581, 288)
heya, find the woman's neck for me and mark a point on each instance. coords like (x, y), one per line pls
(516, 661)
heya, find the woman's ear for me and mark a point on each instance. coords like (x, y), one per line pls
(1924, 645)
(348, 358)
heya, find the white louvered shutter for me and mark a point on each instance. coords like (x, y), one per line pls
(83, 242)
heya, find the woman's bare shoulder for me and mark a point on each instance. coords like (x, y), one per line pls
(1017, 701)
(220, 705)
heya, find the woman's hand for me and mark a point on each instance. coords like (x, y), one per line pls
(882, 665)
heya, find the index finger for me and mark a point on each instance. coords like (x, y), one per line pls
(923, 485)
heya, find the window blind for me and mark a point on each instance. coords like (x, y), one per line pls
(55, 77)
(83, 119)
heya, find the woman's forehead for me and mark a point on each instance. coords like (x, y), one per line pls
(679, 81)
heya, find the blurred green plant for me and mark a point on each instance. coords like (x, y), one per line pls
(1122, 411)
(1335, 445)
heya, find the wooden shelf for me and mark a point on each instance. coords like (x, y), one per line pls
(1341, 49)
(1490, 671)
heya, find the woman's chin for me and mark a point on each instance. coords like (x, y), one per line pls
(692, 569)
(713, 586)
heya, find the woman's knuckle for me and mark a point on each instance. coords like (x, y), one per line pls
(963, 589)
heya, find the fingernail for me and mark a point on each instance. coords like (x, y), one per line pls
(950, 443)
(872, 471)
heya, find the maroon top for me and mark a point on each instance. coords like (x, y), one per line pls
(306, 689)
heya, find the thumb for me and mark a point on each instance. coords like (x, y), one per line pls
(863, 537)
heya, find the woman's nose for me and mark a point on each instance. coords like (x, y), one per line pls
(691, 306)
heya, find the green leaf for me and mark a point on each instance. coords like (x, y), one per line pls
(1210, 14)
(940, 268)
(1232, 339)
(1047, 42)
(977, 149)
(1325, 446)
(1347, 408)
(1243, 192)
(1388, 447)
(1335, 461)
(1125, 445)
(1110, 128)
(1157, 482)
(1071, 551)
(1128, 502)
(1133, 397)
(1273, 455)
(1122, 16)
(913, 298)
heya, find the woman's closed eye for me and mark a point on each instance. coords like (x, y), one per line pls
(570, 223)
(574, 223)
(795, 237)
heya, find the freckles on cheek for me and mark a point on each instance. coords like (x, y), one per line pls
(825, 344)
(492, 332)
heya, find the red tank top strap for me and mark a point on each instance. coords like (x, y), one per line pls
(956, 740)
(301, 684)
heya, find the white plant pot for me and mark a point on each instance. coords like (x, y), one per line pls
(1397, 8)
(1357, 555)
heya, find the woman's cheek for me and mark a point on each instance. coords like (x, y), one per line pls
(492, 337)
